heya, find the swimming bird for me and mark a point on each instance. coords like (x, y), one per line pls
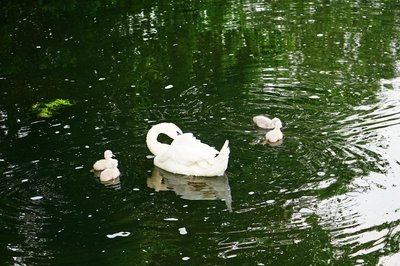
(186, 155)
(110, 173)
(105, 163)
(276, 134)
(263, 122)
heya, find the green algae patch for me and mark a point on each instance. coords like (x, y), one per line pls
(46, 110)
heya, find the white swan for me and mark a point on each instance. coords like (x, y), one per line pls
(186, 155)
(276, 134)
(105, 163)
(110, 173)
(264, 122)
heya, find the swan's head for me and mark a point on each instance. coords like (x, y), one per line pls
(108, 154)
(169, 129)
(277, 122)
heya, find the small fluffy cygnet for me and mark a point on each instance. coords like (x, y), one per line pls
(264, 122)
(276, 134)
(105, 163)
(110, 173)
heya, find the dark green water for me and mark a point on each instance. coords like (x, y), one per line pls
(328, 195)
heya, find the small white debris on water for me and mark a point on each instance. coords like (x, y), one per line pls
(101, 79)
(182, 231)
(87, 146)
(320, 35)
(37, 198)
(306, 211)
(251, 193)
(136, 189)
(168, 87)
(79, 167)
(320, 173)
(314, 97)
(185, 258)
(149, 156)
(119, 234)
(171, 219)
(24, 180)
(223, 118)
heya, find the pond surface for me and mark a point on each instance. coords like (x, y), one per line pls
(328, 195)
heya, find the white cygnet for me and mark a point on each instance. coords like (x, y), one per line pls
(263, 122)
(105, 163)
(110, 173)
(276, 134)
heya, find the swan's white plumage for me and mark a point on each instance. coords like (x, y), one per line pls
(263, 122)
(276, 134)
(105, 163)
(110, 173)
(186, 155)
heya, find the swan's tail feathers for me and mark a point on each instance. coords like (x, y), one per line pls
(223, 157)
(224, 150)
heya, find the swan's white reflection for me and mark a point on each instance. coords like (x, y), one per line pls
(192, 187)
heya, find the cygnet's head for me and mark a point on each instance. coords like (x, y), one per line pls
(277, 122)
(108, 154)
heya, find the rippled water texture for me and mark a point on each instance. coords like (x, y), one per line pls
(327, 195)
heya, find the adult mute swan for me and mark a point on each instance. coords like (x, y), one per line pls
(264, 122)
(110, 173)
(186, 155)
(105, 163)
(276, 134)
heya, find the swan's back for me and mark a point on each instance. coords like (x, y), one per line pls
(188, 155)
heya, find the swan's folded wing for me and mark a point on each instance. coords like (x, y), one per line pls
(187, 150)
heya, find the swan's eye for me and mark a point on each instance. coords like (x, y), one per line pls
(178, 133)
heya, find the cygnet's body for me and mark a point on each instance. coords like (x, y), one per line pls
(110, 173)
(264, 122)
(276, 134)
(105, 163)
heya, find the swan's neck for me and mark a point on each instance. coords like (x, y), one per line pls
(153, 144)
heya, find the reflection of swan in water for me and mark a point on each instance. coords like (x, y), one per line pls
(192, 187)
